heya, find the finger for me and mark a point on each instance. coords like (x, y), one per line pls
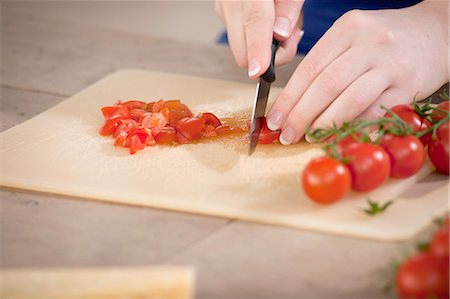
(326, 50)
(288, 48)
(361, 94)
(258, 18)
(323, 91)
(219, 10)
(232, 15)
(287, 13)
(389, 98)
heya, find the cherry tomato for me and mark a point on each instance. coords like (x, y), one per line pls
(326, 180)
(414, 120)
(438, 149)
(211, 119)
(209, 131)
(167, 135)
(132, 104)
(369, 165)
(438, 115)
(406, 153)
(116, 110)
(177, 111)
(190, 127)
(267, 136)
(422, 276)
(439, 245)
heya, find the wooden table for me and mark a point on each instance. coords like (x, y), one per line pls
(44, 61)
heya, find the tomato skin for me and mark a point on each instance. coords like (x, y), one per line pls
(326, 180)
(190, 127)
(135, 144)
(369, 165)
(209, 131)
(406, 153)
(439, 245)
(132, 104)
(223, 129)
(116, 110)
(167, 135)
(438, 149)
(266, 136)
(211, 119)
(414, 120)
(422, 276)
(110, 126)
(438, 115)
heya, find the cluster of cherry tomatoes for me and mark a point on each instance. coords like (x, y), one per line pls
(426, 274)
(356, 161)
(137, 124)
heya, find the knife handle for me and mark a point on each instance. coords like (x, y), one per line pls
(269, 75)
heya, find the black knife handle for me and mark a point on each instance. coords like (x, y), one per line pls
(269, 75)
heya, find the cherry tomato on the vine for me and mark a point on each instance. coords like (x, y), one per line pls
(439, 245)
(438, 115)
(438, 149)
(406, 153)
(326, 180)
(369, 165)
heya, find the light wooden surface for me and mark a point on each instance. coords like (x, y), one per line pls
(45, 59)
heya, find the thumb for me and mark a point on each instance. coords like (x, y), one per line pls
(287, 13)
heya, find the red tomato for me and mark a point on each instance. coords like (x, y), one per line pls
(438, 115)
(132, 104)
(173, 104)
(369, 165)
(175, 114)
(182, 140)
(125, 126)
(267, 136)
(438, 149)
(190, 127)
(439, 245)
(406, 153)
(158, 106)
(414, 120)
(167, 135)
(326, 180)
(136, 144)
(211, 119)
(422, 276)
(223, 129)
(116, 110)
(209, 131)
(154, 121)
(136, 113)
(110, 126)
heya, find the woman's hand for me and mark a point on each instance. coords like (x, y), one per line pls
(366, 59)
(251, 25)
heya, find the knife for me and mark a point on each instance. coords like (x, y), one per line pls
(261, 97)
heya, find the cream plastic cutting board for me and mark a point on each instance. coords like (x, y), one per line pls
(60, 151)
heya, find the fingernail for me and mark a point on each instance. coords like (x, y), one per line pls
(253, 67)
(282, 26)
(274, 121)
(287, 136)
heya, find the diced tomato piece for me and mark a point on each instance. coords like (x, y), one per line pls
(166, 136)
(209, 131)
(223, 129)
(132, 104)
(165, 111)
(121, 138)
(136, 113)
(182, 140)
(110, 126)
(158, 106)
(155, 121)
(173, 104)
(211, 119)
(150, 106)
(190, 127)
(116, 110)
(267, 136)
(141, 132)
(136, 144)
(125, 126)
(176, 115)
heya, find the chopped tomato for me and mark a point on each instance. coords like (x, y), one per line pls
(223, 129)
(182, 140)
(165, 111)
(173, 104)
(209, 131)
(136, 113)
(132, 104)
(167, 135)
(141, 132)
(110, 126)
(158, 106)
(136, 144)
(211, 119)
(116, 110)
(267, 136)
(176, 114)
(154, 121)
(190, 127)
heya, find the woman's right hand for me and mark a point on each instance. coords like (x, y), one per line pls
(251, 25)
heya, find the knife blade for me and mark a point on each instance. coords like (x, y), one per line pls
(261, 98)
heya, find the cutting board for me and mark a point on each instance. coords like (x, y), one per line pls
(98, 283)
(60, 151)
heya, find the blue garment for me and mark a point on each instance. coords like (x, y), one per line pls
(319, 15)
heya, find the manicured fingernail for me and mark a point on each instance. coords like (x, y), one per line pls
(274, 121)
(287, 136)
(282, 26)
(253, 67)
